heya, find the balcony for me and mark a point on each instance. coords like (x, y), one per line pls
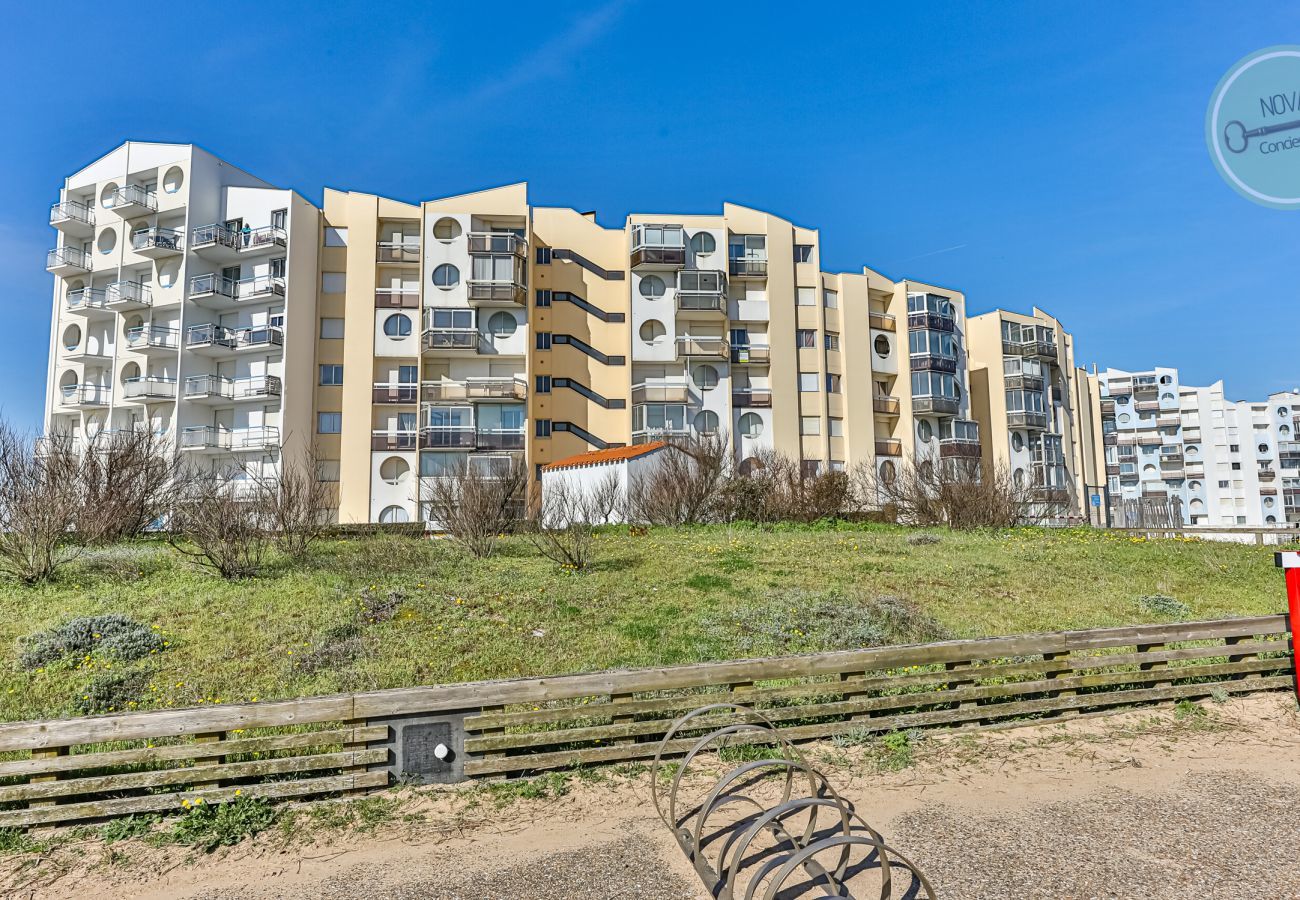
(402, 253)
(460, 339)
(1022, 382)
(483, 388)
(1022, 418)
(1268, 492)
(397, 298)
(87, 302)
(747, 267)
(153, 338)
(148, 388)
(1050, 493)
(73, 217)
(715, 347)
(667, 433)
(885, 406)
(210, 439)
(218, 341)
(218, 292)
(751, 354)
(1112, 469)
(882, 321)
(131, 200)
(1266, 475)
(156, 243)
(66, 261)
(217, 390)
(388, 392)
(484, 292)
(1149, 440)
(87, 352)
(124, 296)
(752, 398)
(445, 437)
(78, 396)
(933, 362)
(218, 243)
(931, 405)
(487, 243)
(1288, 449)
(499, 439)
(1147, 405)
(658, 247)
(701, 291)
(889, 447)
(932, 321)
(959, 448)
(675, 391)
(1178, 474)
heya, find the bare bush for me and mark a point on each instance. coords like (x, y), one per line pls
(40, 503)
(475, 507)
(296, 505)
(777, 489)
(221, 524)
(127, 481)
(685, 485)
(563, 528)
(960, 493)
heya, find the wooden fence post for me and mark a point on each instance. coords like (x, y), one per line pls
(39, 779)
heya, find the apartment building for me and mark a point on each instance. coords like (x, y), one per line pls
(1037, 408)
(184, 300)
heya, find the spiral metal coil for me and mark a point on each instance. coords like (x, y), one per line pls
(809, 843)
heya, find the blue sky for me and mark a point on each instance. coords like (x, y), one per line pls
(1042, 153)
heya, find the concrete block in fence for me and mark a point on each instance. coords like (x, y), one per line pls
(426, 749)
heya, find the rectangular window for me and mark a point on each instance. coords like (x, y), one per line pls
(810, 425)
(331, 374)
(279, 218)
(543, 256)
(336, 237)
(408, 374)
(543, 340)
(277, 267)
(837, 428)
(808, 382)
(806, 296)
(333, 282)
(543, 428)
(803, 253)
(327, 470)
(832, 383)
(544, 297)
(1223, 484)
(810, 468)
(329, 423)
(832, 341)
(543, 384)
(831, 299)
(331, 329)
(805, 338)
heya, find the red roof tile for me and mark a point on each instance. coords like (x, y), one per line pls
(613, 454)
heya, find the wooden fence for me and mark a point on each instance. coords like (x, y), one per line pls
(1233, 533)
(101, 766)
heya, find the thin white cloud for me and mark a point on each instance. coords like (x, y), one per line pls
(931, 253)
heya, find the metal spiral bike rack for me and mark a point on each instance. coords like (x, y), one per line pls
(809, 843)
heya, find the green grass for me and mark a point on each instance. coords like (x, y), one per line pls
(673, 596)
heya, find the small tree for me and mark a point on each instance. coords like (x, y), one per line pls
(960, 493)
(221, 524)
(563, 529)
(685, 484)
(475, 506)
(127, 482)
(295, 504)
(40, 502)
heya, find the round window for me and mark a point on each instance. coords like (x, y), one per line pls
(108, 195)
(751, 425)
(107, 240)
(1125, 418)
(652, 287)
(1270, 520)
(71, 337)
(393, 515)
(168, 272)
(393, 470)
(1165, 379)
(1268, 502)
(446, 276)
(1018, 476)
(888, 472)
(1193, 485)
(703, 242)
(1263, 448)
(750, 464)
(1017, 441)
(705, 377)
(502, 324)
(130, 372)
(1197, 503)
(1284, 429)
(652, 331)
(446, 229)
(924, 430)
(1148, 470)
(173, 180)
(1192, 450)
(882, 346)
(397, 325)
(1166, 397)
(706, 422)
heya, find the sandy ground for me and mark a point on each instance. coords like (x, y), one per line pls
(1149, 805)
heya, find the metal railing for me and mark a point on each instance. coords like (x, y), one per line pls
(205, 236)
(438, 437)
(397, 298)
(499, 439)
(134, 195)
(71, 209)
(932, 321)
(250, 387)
(265, 238)
(153, 336)
(156, 238)
(234, 338)
(485, 388)
(67, 256)
(882, 321)
(394, 392)
(747, 267)
(760, 398)
(691, 345)
(84, 395)
(935, 404)
(129, 292)
(212, 283)
(86, 298)
(260, 285)
(886, 406)
(397, 252)
(450, 339)
(149, 387)
(675, 391)
(496, 289)
(481, 242)
(392, 439)
(933, 362)
(751, 353)
(1023, 418)
(890, 447)
(705, 302)
(209, 437)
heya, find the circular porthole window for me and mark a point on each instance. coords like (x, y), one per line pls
(652, 331)
(1193, 485)
(173, 180)
(751, 425)
(652, 287)
(393, 515)
(1270, 520)
(502, 325)
(881, 345)
(702, 242)
(706, 422)
(72, 337)
(446, 229)
(1165, 379)
(1017, 441)
(1263, 448)
(397, 325)
(1018, 476)
(130, 372)
(1197, 504)
(888, 472)
(705, 377)
(107, 240)
(750, 464)
(108, 195)
(1192, 450)
(1269, 502)
(394, 469)
(446, 276)
(1148, 470)
(168, 272)
(1124, 418)
(924, 431)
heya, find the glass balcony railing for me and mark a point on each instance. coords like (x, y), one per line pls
(487, 242)
(162, 240)
(72, 211)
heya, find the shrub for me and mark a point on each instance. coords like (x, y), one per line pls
(114, 636)
(922, 539)
(112, 692)
(40, 501)
(475, 507)
(208, 826)
(1162, 605)
(220, 526)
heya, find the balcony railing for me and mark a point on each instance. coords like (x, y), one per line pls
(391, 439)
(485, 388)
(85, 299)
(395, 392)
(129, 195)
(397, 252)
(760, 398)
(959, 447)
(496, 291)
(1288, 449)
(665, 433)
(1022, 382)
(689, 345)
(490, 242)
(153, 337)
(747, 267)
(882, 321)
(935, 405)
(658, 245)
(71, 211)
(1021, 418)
(447, 437)
(450, 339)
(149, 387)
(397, 298)
(1266, 475)
(209, 437)
(129, 293)
(933, 362)
(499, 439)
(1149, 440)
(890, 447)
(165, 239)
(676, 391)
(250, 388)
(932, 321)
(700, 303)
(212, 284)
(83, 395)
(214, 235)
(885, 406)
(234, 338)
(751, 353)
(67, 258)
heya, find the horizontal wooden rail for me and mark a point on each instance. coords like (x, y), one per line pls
(100, 766)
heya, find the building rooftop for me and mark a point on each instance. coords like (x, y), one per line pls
(599, 457)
